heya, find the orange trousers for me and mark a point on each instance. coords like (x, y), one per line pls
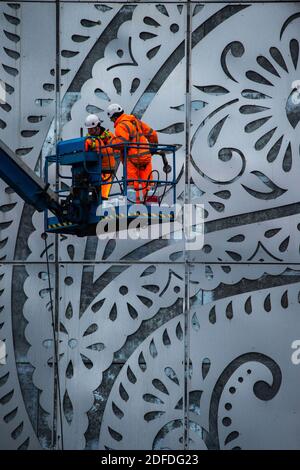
(139, 172)
(105, 188)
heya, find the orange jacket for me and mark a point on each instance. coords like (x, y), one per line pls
(130, 130)
(95, 143)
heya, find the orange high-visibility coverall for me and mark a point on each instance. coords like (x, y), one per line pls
(130, 130)
(96, 143)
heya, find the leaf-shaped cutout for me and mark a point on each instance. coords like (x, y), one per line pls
(166, 338)
(252, 109)
(123, 394)
(115, 435)
(132, 311)
(3, 124)
(70, 370)
(275, 192)
(287, 159)
(215, 132)
(17, 431)
(294, 50)
(175, 128)
(148, 271)
(151, 288)
(6, 398)
(248, 305)
(179, 332)
(209, 272)
(162, 9)
(145, 300)
(254, 95)
(79, 38)
(278, 57)
(116, 410)
(258, 78)
(28, 134)
(103, 8)
(160, 386)
(266, 64)
(96, 307)
(237, 239)
(113, 313)
(3, 243)
(152, 349)
(6, 107)
(218, 206)
(109, 249)
(12, 19)
(89, 24)
(212, 89)
(153, 415)
(179, 405)
(223, 194)
(233, 435)
(171, 374)
(142, 362)
(69, 54)
(285, 300)
(149, 398)
(272, 232)
(229, 311)
(92, 109)
(11, 415)
(195, 322)
(23, 151)
(86, 361)
(151, 22)
(146, 35)
(91, 329)
(118, 85)
(4, 378)
(71, 251)
(12, 37)
(284, 245)
(274, 150)
(254, 125)
(205, 367)
(131, 376)
(69, 311)
(96, 347)
(68, 408)
(235, 256)
(152, 52)
(226, 269)
(134, 85)
(264, 140)
(24, 445)
(267, 303)
(101, 94)
(194, 401)
(212, 315)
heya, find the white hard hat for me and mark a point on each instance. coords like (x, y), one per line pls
(92, 121)
(114, 109)
(296, 84)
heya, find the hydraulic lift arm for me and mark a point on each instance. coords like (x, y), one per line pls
(26, 183)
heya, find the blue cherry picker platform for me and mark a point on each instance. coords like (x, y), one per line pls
(79, 209)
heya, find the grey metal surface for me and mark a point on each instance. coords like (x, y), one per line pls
(239, 376)
(120, 304)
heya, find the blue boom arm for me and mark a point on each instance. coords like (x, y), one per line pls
(26, 183)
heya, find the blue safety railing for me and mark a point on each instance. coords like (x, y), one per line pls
(91, 161)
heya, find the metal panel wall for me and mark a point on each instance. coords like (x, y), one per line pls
(151, 334)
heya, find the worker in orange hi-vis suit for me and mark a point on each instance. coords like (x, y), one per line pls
(130, 130)
(99, 137)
